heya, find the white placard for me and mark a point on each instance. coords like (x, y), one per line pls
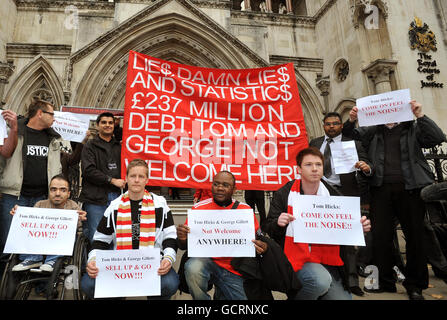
(388, 107)
(221, 233)
(71, 126)
(3, 129)
(327, 220)
(128, 273)
(42, 231)
(344, 156)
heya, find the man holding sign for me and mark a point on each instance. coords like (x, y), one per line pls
(345, 182)
(26, 171)
(58, 195)
(199, 271)
(340, 153)
(321, 268)
(136, 220)
(400, 172)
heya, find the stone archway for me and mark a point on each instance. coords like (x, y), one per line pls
(37, 79)
(313, 110)
(170, 37)
(344, 107)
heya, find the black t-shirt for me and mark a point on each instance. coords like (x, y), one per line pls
(35, 177)
(113, 164)
(392, 166)
(136, 218)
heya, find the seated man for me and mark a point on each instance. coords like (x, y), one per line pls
(199, 271)
(144, 206)
(318, 266)
(59, 192)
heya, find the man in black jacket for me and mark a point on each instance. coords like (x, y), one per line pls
(321, 269)
(101, 177)
(400, 172)
(349, 184)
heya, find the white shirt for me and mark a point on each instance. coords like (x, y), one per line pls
(334, 179)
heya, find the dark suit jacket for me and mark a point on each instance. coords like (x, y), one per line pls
(352, 184)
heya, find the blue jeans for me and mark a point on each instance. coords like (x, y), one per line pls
(94, 215)
(38, 257)
(199, 271)
(7, 203)
(321, 282)
(169, 285)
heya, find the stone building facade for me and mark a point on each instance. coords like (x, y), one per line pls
(74, 52)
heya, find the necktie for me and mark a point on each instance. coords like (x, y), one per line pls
(327, 168)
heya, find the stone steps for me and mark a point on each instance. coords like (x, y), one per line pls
(180, 207)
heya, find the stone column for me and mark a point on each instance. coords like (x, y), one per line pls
(268, 4)
(289, 7)
(323, 84)
(247, 5)
(379, 72)
(6, 70)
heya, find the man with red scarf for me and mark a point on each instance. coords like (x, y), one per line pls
(320, 268)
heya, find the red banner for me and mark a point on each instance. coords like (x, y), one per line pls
(189, 123)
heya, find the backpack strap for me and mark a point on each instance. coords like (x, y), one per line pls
(235, 205)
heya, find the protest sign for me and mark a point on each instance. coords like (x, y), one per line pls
(344, 155)
(327, 220)
(3, 129)
(42, 231)
(128, 273)
(388, 107)
(71, 126)
(221, 233)
(189, 123)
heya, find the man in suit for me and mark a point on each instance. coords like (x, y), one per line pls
(348, 184)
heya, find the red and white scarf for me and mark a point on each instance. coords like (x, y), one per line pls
(124, 223)
(300, 253)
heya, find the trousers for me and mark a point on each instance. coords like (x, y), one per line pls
(386, 201)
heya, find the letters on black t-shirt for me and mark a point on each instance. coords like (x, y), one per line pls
(35, 180)
(135, 206)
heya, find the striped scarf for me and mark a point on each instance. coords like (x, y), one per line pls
(124, 223)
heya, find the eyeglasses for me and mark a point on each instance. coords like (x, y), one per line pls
(50, 113)
(328, 124)
(224, 185)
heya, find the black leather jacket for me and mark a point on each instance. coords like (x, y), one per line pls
(418, 134)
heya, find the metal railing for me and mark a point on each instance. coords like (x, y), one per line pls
(437, 159)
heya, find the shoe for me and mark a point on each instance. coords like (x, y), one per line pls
(357, 291)
(380, 290)
(48, 266)
(26, 265)
(361, 272)
(415, 294)
(400, 276)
